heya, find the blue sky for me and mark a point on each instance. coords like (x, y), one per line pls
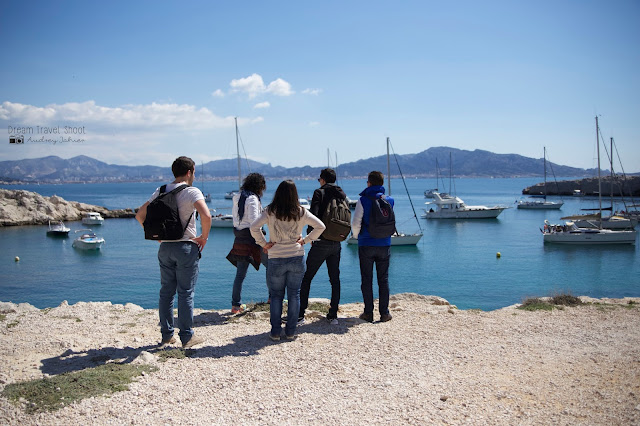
(148, 81)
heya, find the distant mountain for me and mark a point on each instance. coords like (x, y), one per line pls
(476, 163)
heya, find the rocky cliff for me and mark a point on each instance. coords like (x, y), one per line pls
(18, 207)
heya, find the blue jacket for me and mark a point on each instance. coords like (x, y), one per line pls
(364, 239)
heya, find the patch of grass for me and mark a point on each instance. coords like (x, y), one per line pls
(319, 306)
(13, 324)
(129, 324)
(258, 307)
(175, 354)
(46, 310)
(3, 317)
(536, 304)
(53, 393)
(566, 300)
(71, 317)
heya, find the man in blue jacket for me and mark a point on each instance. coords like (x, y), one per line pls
(372, 250)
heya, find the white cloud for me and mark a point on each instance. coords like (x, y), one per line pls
(312, 91)
(314, 123)
(262, 105)
(280, 87)
(127, 116)
(217, 93)
(254, 86)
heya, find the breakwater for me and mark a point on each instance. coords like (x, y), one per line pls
(621, 187)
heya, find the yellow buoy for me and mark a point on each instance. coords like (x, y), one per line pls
(498, 254)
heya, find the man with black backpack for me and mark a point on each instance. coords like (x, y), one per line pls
(329, 203)
(373, 224)
(169, 217)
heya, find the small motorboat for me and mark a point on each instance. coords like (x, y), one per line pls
(92, 218)
(88, 240)
(58, 229)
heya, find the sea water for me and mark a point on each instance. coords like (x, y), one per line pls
(455, 259)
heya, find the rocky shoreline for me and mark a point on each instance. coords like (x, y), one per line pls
(20, 207)
(431, 364)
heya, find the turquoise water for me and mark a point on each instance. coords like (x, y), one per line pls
(455, 259)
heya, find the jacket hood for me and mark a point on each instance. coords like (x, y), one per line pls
(373, 191)
(333, 191)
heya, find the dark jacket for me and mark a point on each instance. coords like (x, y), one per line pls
(321, 198)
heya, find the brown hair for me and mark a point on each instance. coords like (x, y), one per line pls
(285, 205)
(182, 165)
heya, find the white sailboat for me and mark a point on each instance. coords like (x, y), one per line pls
(226, 220)
(569, 233)
(541, 204)
(399, 238)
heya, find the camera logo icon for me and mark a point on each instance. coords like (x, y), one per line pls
(17, 139)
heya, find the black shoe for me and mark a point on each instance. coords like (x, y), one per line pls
(368, 317)
(283, 320)
(385, 317)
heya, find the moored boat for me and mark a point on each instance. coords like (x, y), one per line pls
(92, 218)
(88, 240)
(451, 207)
(58, 229)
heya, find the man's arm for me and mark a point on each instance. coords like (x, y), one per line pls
(141, 215)
(356, 221)
(205, 222)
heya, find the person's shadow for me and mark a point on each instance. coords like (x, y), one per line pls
(243, 346)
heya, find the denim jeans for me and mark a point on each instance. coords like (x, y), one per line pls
(380, 256)
(179, 262)
(284, 273)
(241, 272)
(321, 251)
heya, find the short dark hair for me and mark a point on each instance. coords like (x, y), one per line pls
(182, 165)
(376, 178)
(254, 182)
(329, 175)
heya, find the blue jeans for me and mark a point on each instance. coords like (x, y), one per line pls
(241, 272)
(380, 256)
(321, 251)
(284, 273)
(179, 263)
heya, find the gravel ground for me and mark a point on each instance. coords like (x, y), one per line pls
(431, 364)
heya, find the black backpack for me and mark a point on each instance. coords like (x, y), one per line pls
(382, 219)
(163, 217)
(337, 219)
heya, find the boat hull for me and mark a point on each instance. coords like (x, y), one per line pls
(396, 240)
(224, 221)
(591, 237)
(539, 205)
(489, 213)
(88, 244)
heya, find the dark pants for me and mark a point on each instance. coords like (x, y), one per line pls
(321, 251)
(380, 256)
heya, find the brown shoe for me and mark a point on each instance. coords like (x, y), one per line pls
(195, 340)
(368, 317)
(170, 341)
(385, 317)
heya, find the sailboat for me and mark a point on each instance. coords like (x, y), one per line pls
(596, 220)
(207, 196)
(541, 204)
(570, 233)
(226, 220)
(397, 239)
(428, 193)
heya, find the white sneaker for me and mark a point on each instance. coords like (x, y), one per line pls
(334, 321)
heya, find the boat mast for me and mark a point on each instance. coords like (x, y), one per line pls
(545, 172)
(599, 177)
(238, 153)
(611, 166)
(388, 169)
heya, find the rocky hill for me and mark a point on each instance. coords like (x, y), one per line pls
(29, 208)
(476, 163)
